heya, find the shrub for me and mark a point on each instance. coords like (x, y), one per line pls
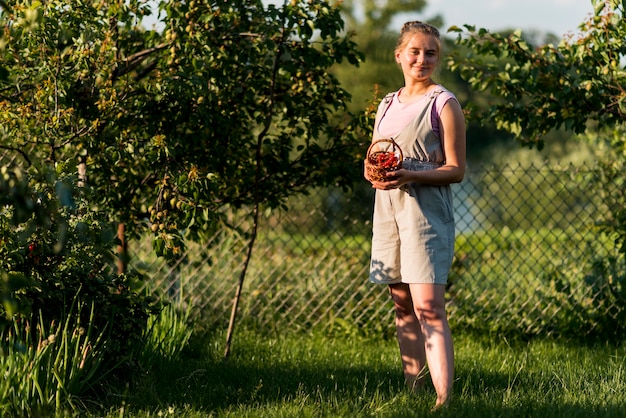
(60, 258)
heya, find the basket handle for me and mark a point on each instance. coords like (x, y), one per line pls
(394, 144)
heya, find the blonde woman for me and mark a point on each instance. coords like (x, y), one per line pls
(413, 225)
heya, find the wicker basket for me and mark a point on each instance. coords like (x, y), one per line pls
(383, 156)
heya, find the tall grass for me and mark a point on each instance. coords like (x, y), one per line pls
(49, 370)
(291, 374)
(167, 334)
(46, 369)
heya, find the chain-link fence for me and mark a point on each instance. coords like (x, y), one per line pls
(530, 259)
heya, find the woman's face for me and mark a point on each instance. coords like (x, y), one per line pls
(418, 57)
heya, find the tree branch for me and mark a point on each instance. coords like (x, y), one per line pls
(134, 60)
(18, 151)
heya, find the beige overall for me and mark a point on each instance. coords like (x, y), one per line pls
(413, 227)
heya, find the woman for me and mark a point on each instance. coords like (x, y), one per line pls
(413, 225)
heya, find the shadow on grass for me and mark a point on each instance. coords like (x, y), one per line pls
(224, 385)
(216, 387)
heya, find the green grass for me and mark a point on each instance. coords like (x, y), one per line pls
(295, 375)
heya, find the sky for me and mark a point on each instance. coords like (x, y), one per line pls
(559, 17)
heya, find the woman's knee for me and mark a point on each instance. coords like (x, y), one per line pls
(430, 312)
(430, 309)
(403, 303)
(429, 302)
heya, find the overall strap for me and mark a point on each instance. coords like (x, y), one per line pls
(382, 111)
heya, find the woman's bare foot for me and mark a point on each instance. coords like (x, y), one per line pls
(441, 403)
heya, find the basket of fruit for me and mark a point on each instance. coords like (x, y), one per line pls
(383, 156)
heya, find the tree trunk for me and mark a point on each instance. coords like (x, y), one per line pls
(122, 256)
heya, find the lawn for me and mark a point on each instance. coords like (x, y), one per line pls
(316, 375)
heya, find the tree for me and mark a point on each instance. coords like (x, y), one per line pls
(578, 85)
(580, 80)
(376, 16)
(370, 22)
(70, 82)
(251, 87)
(231, 105)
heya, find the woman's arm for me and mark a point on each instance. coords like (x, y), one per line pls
(452, 131)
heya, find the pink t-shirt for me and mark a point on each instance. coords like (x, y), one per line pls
(400, 114)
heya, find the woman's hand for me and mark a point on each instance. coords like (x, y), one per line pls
(394, 179)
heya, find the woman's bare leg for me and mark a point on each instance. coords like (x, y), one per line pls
(430, 308)
(409, 334)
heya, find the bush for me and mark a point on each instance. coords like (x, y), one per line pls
(574, 288)
(61, 258)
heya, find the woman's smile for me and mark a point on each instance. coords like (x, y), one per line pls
(419, 57)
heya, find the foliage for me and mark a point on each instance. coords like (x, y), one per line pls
(262, 99)
(509, 196)
(19, 204)
(57, 279)
(370, 22)
(610, 182)
(574, 289)
(376, 16)
(57, 367)
(232, 103)
(577, 85)
(549, 87)
(64, 86)
(520, 271)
